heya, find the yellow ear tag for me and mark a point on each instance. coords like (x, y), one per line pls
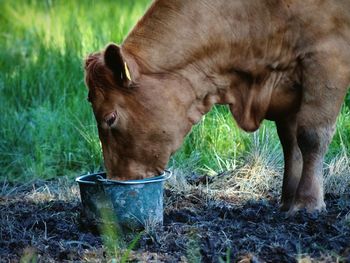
(127, 71)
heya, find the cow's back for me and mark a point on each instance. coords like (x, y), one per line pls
(322, 19)
(175, 33)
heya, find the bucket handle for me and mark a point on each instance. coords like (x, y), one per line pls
(163, 177)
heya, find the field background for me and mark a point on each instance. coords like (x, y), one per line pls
(47, 127)
(222, 201)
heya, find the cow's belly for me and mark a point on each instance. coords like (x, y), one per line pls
(285, 100)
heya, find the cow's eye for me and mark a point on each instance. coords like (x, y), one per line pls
(110, 118)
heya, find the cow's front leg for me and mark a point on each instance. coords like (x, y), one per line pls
(293, 161)
(322, 95)
(313, 143)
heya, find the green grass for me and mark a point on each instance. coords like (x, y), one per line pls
(46, 126)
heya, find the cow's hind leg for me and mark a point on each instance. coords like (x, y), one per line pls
(323, 93)
(293, 162)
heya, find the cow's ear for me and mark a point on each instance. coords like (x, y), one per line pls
(115, 63)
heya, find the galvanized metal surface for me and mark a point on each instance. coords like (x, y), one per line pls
(132, 204)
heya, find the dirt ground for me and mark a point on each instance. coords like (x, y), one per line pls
(40, 221)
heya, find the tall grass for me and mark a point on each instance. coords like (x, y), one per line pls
(47, 127)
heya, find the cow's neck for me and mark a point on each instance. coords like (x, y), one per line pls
(180, 38)
(174, 34)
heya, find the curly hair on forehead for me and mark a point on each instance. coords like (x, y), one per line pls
(105, 70)
(91, 58)
(97, 74)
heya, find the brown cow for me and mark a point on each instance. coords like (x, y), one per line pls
(282, 60)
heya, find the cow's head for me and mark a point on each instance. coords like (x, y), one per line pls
(140, 121)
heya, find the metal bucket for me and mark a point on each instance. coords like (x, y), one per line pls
(134, 204)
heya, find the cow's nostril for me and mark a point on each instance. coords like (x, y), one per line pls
(110, 118)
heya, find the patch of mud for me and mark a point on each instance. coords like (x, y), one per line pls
(256, 231)
(196, 229)
(48, 229)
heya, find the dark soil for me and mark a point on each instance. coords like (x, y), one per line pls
(196, 229)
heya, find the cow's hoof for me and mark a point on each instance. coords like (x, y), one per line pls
(309, 207)
(285, 206)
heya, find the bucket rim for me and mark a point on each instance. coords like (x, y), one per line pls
(101, 179)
